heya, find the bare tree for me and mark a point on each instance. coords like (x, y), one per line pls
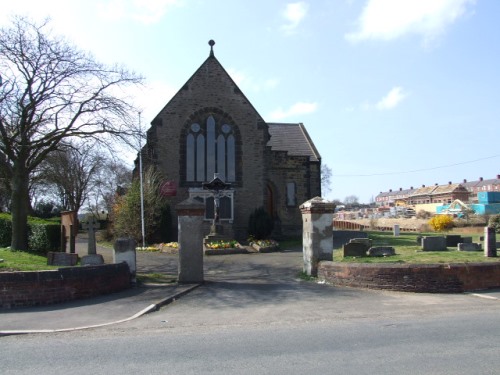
(70, 174)
(52, 92)
(112, 178)
(326, 175)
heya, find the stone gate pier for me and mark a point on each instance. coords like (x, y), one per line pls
(317, 233)
(190, 214)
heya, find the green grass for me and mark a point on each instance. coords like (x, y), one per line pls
(408, 251)
(23, 261)
(155, 278)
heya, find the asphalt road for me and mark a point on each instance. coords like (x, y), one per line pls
(256, 316)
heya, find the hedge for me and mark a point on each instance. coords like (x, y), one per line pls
(43, 235)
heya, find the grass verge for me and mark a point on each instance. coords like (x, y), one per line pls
(23, 261)
(409, 251)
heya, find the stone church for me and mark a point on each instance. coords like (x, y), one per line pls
(210, 127)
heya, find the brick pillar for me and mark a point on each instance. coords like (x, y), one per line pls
(190, 214)
(317, 233)
(490, 242)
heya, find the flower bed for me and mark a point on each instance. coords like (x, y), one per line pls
(265, 246)
(223, 247)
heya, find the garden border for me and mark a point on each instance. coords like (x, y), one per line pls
(419, 278)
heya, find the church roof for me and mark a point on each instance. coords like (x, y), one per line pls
(292, 138)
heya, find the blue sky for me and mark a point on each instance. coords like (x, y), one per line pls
(394, 93)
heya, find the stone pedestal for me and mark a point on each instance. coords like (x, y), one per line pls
(490, 245)
(190, 219)
(317, 233)
(124, 251)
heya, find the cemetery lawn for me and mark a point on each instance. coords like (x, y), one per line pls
(23, 261)
(408, 251)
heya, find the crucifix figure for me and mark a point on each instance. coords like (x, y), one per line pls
(216, 186)
(90, 226)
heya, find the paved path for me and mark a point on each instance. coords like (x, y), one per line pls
(242, 289)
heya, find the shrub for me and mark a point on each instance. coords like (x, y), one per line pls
(44, 237)
(5, 230)
(494, 222)
(260, 224)
(441, 223)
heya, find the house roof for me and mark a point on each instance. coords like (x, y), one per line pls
(292, 138)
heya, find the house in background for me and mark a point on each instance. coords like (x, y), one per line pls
(209, 127)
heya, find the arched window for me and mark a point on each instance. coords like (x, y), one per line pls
(210, 148)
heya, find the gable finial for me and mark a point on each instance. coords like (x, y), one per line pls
(211, 43)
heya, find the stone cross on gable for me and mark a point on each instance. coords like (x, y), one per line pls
(90, 226)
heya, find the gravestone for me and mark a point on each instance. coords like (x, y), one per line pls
(490, 246)
(342, 237)
(365, 241)
(452, 240)
(124, 251)
(466, 240)
(91, 225)
(433, 243)
(396, 230)
(355, 249)
(92, 260)
(465, 246)
(61, 259)
(381, 251)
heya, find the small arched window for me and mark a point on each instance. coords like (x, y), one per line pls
(210, 148)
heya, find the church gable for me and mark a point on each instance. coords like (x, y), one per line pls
(209, 127)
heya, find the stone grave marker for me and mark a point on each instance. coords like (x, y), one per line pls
(433, 243)
(465, 246)
(381, 251)
(355, 249)
(92, 260)
(61, 259)
(91, 225)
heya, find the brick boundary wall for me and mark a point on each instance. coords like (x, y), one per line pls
(35, 288)
(420, 278)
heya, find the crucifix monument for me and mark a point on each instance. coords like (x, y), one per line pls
(216, 186)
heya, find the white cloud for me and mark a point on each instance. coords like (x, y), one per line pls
(390, 101)
(294, 13)
(299, 108)
(143, 11)
(247, 82)
(391, 19)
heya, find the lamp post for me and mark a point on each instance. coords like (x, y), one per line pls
(141, 184)
(215, 187)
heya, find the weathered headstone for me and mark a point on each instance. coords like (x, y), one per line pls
(61, 259)
(124, 251)
(91, 225)
(381, 251)
(490, 246)
(317, 233)
(433, 243)
(395, 230)
(92, 260)
(466, 246)
(452, 240)
(365, 241)
(466, 240)
(342, 237)
(190, 213)
(355, 249)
